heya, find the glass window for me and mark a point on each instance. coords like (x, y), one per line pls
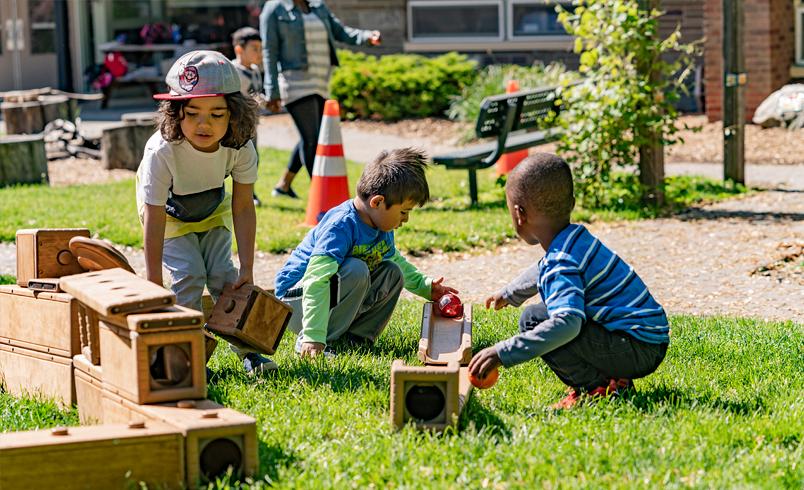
(450, 20)
(43, 26)
(536, 19)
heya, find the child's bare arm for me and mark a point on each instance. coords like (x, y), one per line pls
(245, 227)
(153, 241)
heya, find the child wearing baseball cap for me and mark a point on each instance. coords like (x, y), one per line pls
(205, 126)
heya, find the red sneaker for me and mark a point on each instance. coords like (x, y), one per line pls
(568, 401)
(621, 385)
(576, 396)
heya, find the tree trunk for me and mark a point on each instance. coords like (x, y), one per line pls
(31, 116)
(651, 154)
(123, 145)
(23, 160)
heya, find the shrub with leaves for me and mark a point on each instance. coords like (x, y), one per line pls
(492, 80)
(398, 86)
(632, 79)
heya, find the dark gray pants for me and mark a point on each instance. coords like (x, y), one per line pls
(596, 354)
(361, 301)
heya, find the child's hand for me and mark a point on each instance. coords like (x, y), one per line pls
(245, 277)
(484, 362)
(438, 289)
(497, 301)
(311, 349)
(375, 39)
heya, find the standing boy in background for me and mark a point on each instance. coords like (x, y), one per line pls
(247, 46)
(597, 327)
(345, 277)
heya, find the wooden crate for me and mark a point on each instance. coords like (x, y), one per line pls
(431, 397)
(153, 367)
(444, 340)
(26, 371)
(250, 317)
(215, 436)
(116, 292)
(46, 253)
(88, 390)
(46, 322)
(93, 457)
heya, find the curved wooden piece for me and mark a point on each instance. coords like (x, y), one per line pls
(97, 255)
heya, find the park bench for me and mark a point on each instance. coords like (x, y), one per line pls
(518, 122)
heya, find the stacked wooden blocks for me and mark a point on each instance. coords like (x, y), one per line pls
(116, 345)
(432, 396)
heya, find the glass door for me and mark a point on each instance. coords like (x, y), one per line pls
(27, 44)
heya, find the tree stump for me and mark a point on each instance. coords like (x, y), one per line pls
(24, 116)
(23, 160)
(123, 145)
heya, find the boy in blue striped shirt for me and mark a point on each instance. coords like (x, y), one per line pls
(597, 327)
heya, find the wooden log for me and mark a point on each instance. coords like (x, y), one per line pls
(444, 340)
(216, 437)
(45, 253)
(427, 396)
(116, 291)
(23, 160)
(93, 457)
(88, 390)
(153, 367)
(30, 115)
(123, 145)
(56, 107)
(26, 371)
(250, 317)
(43, 321)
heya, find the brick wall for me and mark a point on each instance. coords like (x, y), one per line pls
(768, 49)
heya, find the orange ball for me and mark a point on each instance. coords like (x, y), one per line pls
(486, 382)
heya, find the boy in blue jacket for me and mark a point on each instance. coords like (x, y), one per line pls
(345, 277)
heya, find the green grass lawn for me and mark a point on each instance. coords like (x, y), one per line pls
(725, 409)
(445, 224)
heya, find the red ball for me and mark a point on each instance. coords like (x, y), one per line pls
(487, 382)
(450, 306)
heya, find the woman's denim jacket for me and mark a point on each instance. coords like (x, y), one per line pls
(282, 33)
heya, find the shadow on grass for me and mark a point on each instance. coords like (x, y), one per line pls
(273, 458)
(657, 398)
(482, 419)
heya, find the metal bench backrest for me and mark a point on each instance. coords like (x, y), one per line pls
(528, 107)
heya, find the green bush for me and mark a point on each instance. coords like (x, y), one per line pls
(398, 86)
(492, 80)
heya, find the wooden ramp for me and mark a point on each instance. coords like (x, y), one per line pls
(445, 339)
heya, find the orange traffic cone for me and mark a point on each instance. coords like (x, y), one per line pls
(508, 161)
(329, 186)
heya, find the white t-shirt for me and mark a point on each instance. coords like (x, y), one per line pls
(181, 169)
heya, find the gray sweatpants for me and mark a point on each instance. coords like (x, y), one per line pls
(596, 354)
(361, 302)
(196, 260)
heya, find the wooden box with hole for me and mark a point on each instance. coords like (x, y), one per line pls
(45, 253)
(153, 367)
(102, 456)
(216, 437)
(430, 397)
(250, 317)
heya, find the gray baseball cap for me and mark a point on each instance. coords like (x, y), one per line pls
(201, 74)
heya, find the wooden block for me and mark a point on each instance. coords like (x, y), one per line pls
(88, 322)
(88, 390)
(216, 437)
(43, 284)
(47, 322)
(97, 255)
(46, 253)
(170, 318)
(116, 291)
(28, 371)
(153, 367)
(93, 457)
(444, 340)
(207, 304)
(427, 396)
(250, 317)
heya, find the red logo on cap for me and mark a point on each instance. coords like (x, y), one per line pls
(189, 78)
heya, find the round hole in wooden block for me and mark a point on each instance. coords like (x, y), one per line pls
(218, 455)
(65, 257)
(425, 402)
(170, 365)
(230, 306)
